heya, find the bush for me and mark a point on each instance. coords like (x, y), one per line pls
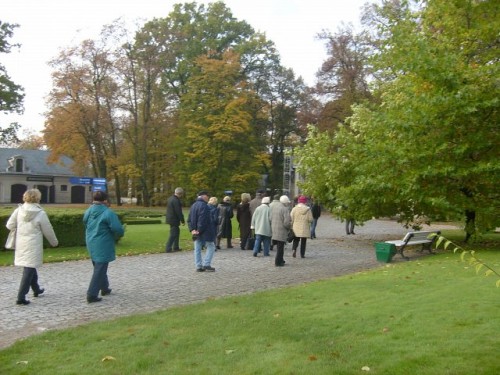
(68, 227)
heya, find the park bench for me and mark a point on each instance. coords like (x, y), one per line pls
(415, 238)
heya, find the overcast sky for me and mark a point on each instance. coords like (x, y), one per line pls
(46, 26)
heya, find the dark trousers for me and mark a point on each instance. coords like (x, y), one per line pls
(349, 226)
(173, 239)
(99, 280)
(30, 279)
(303, 241)
(280, 252)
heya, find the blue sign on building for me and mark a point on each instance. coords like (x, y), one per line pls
(99, 181)
(80, 180)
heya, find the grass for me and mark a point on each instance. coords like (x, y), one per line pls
(431, 316)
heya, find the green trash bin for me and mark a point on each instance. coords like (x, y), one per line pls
(385, 251)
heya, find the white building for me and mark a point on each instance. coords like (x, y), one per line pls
(21, 170)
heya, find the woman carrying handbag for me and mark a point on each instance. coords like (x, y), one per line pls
(31, 224)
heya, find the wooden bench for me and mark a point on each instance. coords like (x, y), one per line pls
(415, 238)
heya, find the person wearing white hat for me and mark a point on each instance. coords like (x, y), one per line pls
(261, 224)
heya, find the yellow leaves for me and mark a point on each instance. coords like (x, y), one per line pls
(365, 368)
(108, 358)
(230, 351)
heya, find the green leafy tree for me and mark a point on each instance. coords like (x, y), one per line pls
(431, 146)
(219, 151)
(11, 94)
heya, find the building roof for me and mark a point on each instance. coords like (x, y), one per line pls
(36, 162)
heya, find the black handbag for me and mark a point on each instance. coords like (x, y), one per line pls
(291, 236)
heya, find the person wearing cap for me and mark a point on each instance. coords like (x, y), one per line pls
(225, 227)
(204, 230)
(261, 224)
(301, 225)
(174, 217)
(280, 224)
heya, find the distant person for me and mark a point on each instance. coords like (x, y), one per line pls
(261, 224)
(225, 226)
(102, 229)
(31, 224)
(301, 225)
(244, 219)
(316, 213)
(280, 224)
(204, 232)
(174, 217)
(257, 201)
(275, 202)
(350, 223)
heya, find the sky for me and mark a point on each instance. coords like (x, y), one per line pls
(47, 26)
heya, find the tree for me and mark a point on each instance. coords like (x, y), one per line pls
(11, 94)
(219, 149)
(431, 146)
(83, 103)
(342, 79)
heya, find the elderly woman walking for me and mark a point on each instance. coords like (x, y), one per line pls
(31, 224)
(301, 224)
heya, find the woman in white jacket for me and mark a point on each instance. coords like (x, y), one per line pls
(31, 224)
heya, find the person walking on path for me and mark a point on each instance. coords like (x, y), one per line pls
(316, 213)
(102, 229)
(244, 219)
(261, 224)
(174, 217)
(225, 226)
(280, 224)
(31, 224)
(301, 223)
(204, 232)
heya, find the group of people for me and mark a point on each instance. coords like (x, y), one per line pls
(29, 223)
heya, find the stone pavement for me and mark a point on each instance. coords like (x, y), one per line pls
(154, 282)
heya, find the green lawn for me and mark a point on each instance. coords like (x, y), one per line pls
(433, 315)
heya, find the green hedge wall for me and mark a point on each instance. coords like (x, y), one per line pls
(68, 227)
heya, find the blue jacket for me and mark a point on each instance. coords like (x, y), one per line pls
(102, 228)
(200, 219)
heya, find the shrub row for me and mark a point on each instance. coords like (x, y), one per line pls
(68, 227)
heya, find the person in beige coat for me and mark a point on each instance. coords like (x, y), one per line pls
(301, 224)
(31, 224)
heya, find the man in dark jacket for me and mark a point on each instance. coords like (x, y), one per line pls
(174, 218)
(204, 230)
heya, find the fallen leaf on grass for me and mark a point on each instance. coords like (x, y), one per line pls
(312, 358)
(365, 368)
(385, 329)
(108, 358)
(22, 363)
(230, 351)
(276, 315)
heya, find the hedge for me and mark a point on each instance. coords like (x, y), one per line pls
(68, 227)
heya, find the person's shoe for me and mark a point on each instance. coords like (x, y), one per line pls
(255, 255)
(294, 254)
(302, 256)
(106, 292)
(176, 250)
(217, 247)
(22, 302)
(200, 269)
(280, 264)
(209, 269)
(40, 291)
(93, 299)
